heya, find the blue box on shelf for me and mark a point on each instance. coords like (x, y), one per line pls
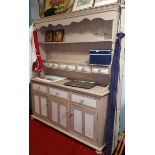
(100, 57)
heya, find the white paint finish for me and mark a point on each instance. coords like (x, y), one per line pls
(43, 89)
(89, 125)
(36, 104)
(83, 100)
(58, 92)
(63, 119)
(77, 120)
(35, 86)
(55, 111)
(39, 87)
(43, 103)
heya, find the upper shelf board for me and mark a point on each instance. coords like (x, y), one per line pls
(108, 12)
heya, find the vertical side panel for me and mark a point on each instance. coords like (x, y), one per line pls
(36, 104)
(55, 112)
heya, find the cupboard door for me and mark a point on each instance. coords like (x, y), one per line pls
(84, 122)
(43, 105)
(76, 120)
(36, 105)
(58, 112)
(63, 113)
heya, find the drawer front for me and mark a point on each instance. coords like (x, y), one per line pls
(58, 92)
(83, 100)
(35, 86)
(43, 89)
(40, 88)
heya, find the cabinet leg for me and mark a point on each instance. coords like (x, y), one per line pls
(99, 152)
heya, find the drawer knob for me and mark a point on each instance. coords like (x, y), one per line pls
(82, 101)
(66, 112)
(71, 114)
(57, 93)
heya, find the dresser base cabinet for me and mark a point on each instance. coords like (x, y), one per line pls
(78, 115)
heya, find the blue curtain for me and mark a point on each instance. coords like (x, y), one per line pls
(113, 92)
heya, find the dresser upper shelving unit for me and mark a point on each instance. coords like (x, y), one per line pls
(84, 30)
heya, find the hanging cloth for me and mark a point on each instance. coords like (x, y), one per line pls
(37, 65)
(113, 93)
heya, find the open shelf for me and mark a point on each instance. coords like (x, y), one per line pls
(69, 42)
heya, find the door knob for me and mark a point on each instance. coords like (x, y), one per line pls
(71, 114)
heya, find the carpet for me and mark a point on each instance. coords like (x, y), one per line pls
(44, 140)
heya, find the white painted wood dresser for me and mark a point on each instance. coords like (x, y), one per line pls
(77, 112)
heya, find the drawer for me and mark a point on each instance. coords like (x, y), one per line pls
(88, 101)
(58, 93)
(40, 88)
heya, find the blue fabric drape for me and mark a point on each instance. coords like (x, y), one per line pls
(113, 92)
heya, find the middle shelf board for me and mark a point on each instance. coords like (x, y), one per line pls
(48, 43)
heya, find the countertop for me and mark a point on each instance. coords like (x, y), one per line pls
(97, 91)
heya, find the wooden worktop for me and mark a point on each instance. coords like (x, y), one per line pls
(97, 91)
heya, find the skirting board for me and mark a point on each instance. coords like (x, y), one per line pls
(69, 134)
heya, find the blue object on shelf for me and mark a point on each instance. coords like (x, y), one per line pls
(100, 57)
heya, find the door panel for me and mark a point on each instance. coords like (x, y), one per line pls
(36, 104)
(43, 102)
(54, 111)
(77, 120)
(89, 125)
(63, 114)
